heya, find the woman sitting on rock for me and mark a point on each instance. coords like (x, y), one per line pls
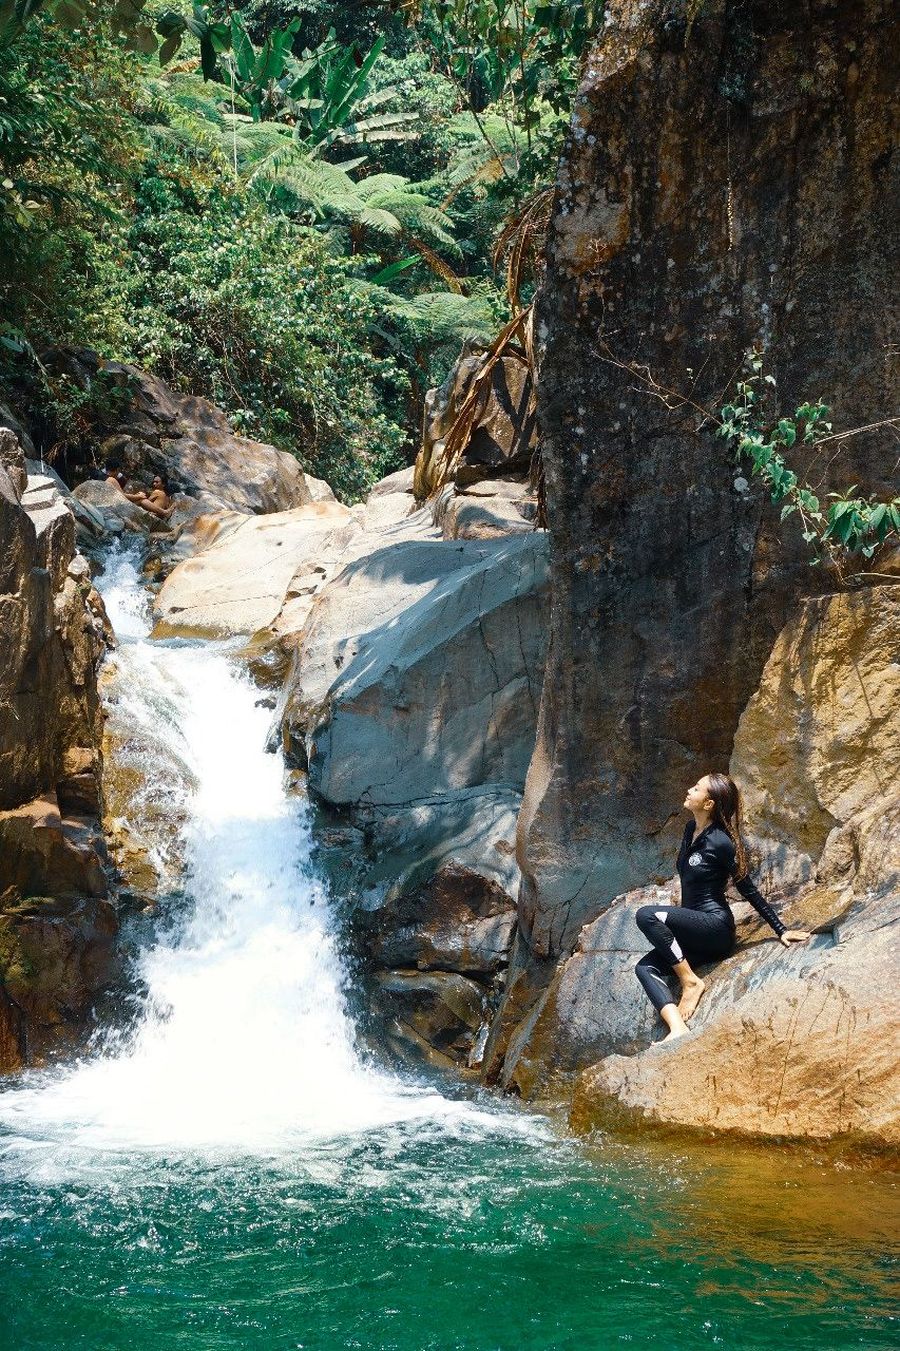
(701, 928)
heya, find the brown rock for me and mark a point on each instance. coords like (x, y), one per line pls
(51, 633)
(56, 957)
(55, 952)
(802, 1046)
(819, 741)
(458, 921)
(42, 853)
(503, 435)
(79, 795)
(117, 511)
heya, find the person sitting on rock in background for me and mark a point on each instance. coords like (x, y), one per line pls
(701, 928)
(158, 500)
(117, 479)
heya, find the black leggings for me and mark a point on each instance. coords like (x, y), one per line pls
(679, 934)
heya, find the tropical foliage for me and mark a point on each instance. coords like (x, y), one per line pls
(297, 208)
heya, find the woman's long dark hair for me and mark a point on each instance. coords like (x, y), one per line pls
(726, 799)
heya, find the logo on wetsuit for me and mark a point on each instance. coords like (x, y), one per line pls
(695, 860)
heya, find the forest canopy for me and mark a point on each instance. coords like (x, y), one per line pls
(298, 209)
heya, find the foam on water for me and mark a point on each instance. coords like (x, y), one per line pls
(245, 1043)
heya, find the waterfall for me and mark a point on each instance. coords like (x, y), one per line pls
(244, 1041)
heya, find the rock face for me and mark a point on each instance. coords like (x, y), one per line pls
(833, 679)
(727, 183)
(498, 397)
(56, 926)
(798, 1042)
(238, 584)
(156, 430)
(487, 510)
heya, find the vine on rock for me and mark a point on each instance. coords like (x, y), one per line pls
(850, 524)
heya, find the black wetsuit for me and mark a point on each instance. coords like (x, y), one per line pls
(702, 927)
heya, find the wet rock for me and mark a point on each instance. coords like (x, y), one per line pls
(55, 953)
(442, 1011)
(56, 957)
(78, 792)
(146, 785)
(457, 921)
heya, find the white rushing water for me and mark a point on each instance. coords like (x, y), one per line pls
(245, 1042)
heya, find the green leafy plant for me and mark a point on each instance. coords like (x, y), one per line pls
(517, 58)
(849, 524)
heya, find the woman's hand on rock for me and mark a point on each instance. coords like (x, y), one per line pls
(793, 936)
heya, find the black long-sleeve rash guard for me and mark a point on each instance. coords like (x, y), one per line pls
(706, 865)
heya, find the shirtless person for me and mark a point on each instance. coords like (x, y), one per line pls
(116, 479)
(157, 500)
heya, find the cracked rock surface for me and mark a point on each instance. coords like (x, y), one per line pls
(56, 923)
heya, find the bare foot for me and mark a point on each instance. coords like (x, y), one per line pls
(675, 1033)
(690, 997)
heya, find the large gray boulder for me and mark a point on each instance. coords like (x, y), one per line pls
(440, 692)
(411, 700)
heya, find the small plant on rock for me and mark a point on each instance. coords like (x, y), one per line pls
(849, 524)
